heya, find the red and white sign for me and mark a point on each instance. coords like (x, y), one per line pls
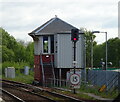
(75, 79)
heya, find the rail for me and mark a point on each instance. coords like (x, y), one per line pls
(12, 95)
(45, 93)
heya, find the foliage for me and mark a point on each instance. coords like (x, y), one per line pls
(89, 39)
(17, 65)
(94, 90)
(30, 53)
(77, 95)
(15, 50)
(7, 54)
(113, 52)
(98, 55)
(99, 51)
(22, 78)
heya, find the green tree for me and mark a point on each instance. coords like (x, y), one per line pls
(89, 38)
(8, 43)
(7, 54)
(20, 53)
(30, 53)
(15, 50)
(113, 52)
(99, 51)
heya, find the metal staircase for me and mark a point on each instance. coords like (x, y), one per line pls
(47, 71)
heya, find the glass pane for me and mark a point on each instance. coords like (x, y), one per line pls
(52, 43)
(45, 44)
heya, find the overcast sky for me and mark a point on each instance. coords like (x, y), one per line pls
(20, 17)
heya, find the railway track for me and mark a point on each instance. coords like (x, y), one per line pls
(7, 96)
(51, 96)
(23, 93)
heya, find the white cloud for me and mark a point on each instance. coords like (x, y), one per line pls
(22, 16)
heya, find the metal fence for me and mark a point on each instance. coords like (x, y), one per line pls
(56, 83)
(104, 77)
(94, 77)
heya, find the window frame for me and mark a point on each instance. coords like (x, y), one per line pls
(49, 45)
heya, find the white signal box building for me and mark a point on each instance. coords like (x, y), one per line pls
(53, 50)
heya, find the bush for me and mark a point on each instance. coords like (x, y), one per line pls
(16, 65)
(22, 78)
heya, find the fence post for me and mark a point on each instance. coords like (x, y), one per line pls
(119, 81)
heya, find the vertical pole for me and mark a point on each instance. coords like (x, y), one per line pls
(92, 52)
(60, 77)
(106, 50)
(74, 61)
(106, 61)
(85, 77)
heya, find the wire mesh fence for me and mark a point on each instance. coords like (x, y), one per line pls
(110, 79)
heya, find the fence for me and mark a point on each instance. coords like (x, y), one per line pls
(104, 77)
(94, 77)
(56, 83)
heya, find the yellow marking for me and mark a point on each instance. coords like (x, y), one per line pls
(102, 88)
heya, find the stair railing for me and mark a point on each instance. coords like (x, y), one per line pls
(43, 75)
(53, 70)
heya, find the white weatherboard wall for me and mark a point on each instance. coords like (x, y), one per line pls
(64, 54)
(38, 46)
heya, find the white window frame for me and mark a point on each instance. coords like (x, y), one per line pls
(48, 45)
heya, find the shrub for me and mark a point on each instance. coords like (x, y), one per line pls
(16, 65)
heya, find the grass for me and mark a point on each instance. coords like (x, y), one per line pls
(95, 91)
(19, 69)
(79, 96)
(16, 65)
(22, 78)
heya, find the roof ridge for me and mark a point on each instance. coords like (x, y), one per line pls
(44, 25)
(54, 25)
(67, 22)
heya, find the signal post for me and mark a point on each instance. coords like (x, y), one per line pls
(74, 37)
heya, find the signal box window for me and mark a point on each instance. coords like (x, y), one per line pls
(45, 44)
(52, 43)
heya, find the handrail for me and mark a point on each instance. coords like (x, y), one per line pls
(53, 70)
(43, 75)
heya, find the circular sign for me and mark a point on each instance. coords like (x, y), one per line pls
(75, 79)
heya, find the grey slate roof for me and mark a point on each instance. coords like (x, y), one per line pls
(53, 26)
